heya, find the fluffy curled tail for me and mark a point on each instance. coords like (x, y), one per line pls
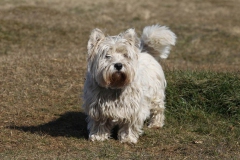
(157, 40)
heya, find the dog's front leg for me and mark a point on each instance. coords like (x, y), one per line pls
(99, 130)
(129, 133)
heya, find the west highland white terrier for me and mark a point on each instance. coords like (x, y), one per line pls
(124, 84)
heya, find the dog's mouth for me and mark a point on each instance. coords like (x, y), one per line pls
(118, 80)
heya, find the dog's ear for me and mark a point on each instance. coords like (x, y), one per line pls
(96, 36)
(131, 36)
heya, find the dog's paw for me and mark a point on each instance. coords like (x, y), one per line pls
(157, 121)
(127, 138)
(98, 137)
(155, 125)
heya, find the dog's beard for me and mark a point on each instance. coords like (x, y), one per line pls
(118, 80)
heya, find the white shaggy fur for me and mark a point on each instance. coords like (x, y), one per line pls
(124, 84)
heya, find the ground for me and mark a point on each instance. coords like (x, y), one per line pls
(43, 65)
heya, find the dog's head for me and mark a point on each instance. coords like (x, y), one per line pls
(112, 60)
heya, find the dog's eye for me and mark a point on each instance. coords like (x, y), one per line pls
(108, 56)
(125, 55)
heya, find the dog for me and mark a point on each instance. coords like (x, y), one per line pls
(125, 85)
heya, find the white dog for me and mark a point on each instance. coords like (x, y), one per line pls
(125, 85)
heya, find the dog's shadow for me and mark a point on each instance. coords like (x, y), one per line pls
(70, 124)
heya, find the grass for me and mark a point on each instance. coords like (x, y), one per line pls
(206, 101)
(43, 64)
(206, 91)
(202, 122)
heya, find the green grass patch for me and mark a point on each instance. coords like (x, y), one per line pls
(207, 103)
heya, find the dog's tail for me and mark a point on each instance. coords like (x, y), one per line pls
(157, 40)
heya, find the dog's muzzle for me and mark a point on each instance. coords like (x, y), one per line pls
(118, 79)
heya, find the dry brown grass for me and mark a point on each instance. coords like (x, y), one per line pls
(43, 62)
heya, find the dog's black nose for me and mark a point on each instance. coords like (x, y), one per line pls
(118, 66)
